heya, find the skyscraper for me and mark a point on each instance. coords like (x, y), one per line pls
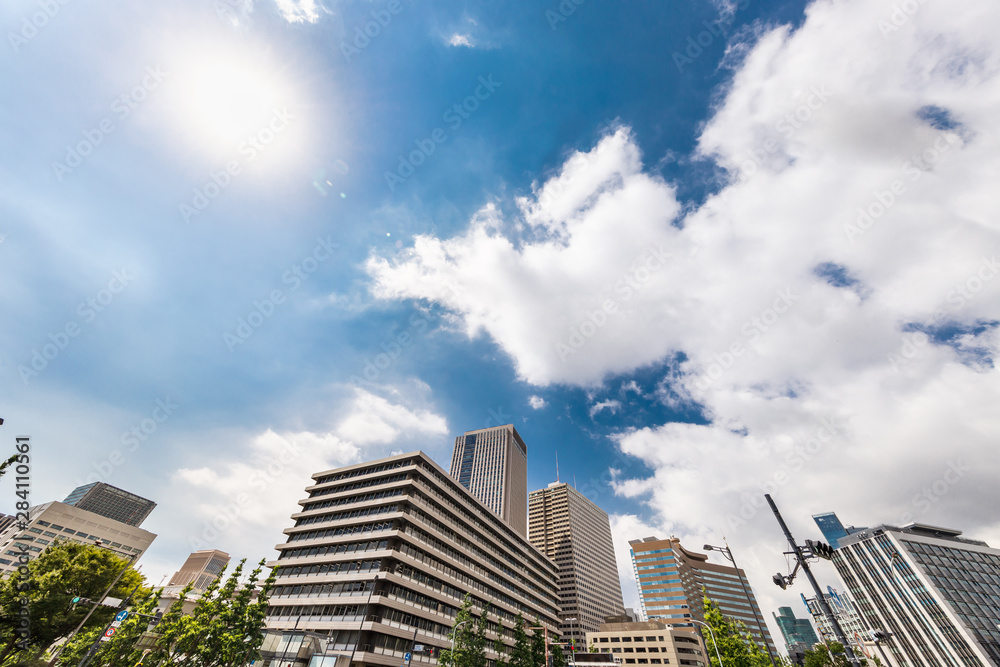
(798, 633)
(936, 593)
(492, 463)
(576, 535)
(200, 569)
(831, 527)
(381, 555)
(847, 616)
(111, 502)
(672, 582)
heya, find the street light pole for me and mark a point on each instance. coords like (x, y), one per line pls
(728, 553)
(715, 643)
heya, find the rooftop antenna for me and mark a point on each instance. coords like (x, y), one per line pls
(557, 467)
(574, 480)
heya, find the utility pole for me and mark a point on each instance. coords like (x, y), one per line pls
(801, 562)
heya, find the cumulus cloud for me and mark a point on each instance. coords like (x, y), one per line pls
(234, 501)
(457, 39)
(611, 406)
(537, 402)
(835, 302)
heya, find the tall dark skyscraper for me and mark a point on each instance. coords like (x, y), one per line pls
(111, 502)
(492, 463)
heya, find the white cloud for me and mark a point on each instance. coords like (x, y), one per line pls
(232, 502)
(860, 212)
(537, 402)
(457, 39)
(299, 11)
(611, 406)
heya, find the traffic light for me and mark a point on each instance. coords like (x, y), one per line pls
(779, 580)
(432, 652)
(820, 549)
(880, 636)
(157, 617)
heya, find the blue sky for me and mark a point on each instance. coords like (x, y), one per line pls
(671, 241)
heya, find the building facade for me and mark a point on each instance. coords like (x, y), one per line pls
(381, 555)
(935, 592)
(111, 502)
(798, 633)
(492, 463)
(649, 643)
(53, 521)
(576, 535)
(673, 581)
(847, 616)
(200, 569)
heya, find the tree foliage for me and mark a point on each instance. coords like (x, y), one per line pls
(225, 628)
(558, 659)
(469, 634)
(63, 571)
(735, 643)
(9, 462)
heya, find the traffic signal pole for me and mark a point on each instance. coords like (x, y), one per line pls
(801, 560)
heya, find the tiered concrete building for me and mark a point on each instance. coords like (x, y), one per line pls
(381, 555)
(936, 593)
(576, 534)
(200, 569)
(671, 581)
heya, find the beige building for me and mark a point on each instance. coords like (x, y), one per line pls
(52, 521)
(492, 463)
(200, 569)
(576, 535)
(673, 582)
(381, 555)
(649, 643)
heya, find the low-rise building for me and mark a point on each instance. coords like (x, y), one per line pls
(649, 643)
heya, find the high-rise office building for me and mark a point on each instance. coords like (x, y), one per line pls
(54, 521)
(935, 592)
(200, 569)
(112, 502)
(492, 463)
(831, 527)
(847, 616)
(576, 535)
(672, 582)
(381, 555)
(798, 633)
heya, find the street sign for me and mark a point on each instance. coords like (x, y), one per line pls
(109, 634)
(122, 615)
(418, 648)
(116, 624)
(407, 656)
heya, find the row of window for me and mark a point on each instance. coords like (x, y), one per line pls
(347, 514)
(350, 500)
(333, 549)
(357, 485)
(355, 529)
(347, 567)
(370, 470)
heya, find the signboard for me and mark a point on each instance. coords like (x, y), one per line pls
(418, 648)
(407, 656)
(109, 634)
(116, 624)
(121, 616)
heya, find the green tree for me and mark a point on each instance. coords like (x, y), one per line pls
(7, 463)
(469, 634)
(121, 649)
(735, 643)
(520, 653)
(225, 627)
(819, 656)
(63, 571)
(538, 646)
